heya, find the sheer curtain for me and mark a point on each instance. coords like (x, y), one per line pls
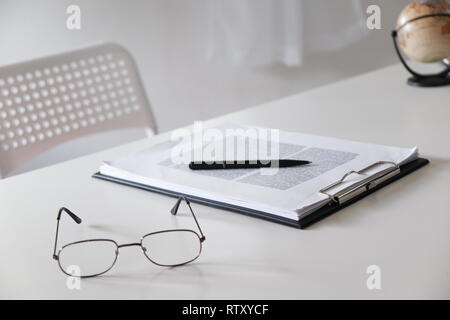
(263, 32)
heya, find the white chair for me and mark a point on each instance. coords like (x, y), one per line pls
(51, 100)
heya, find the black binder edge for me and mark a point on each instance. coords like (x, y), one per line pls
(305, 222)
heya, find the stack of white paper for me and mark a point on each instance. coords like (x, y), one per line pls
(287, 192)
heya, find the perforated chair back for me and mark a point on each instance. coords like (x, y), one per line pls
(51, 100)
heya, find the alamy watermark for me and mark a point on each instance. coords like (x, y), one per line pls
(373, 282)
(73, 21)
(238, 144)
(73, 282)
(373, 21)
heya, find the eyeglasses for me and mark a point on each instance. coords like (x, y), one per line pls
(93, 257)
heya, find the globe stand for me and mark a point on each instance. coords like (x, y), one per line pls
(429, 81)
(423, 80)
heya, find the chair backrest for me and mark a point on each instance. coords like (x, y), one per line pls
(51, 100)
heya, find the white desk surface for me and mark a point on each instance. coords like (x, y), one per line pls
(404, 228)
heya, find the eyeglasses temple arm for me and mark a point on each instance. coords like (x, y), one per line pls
(175, 210)
(73, 216)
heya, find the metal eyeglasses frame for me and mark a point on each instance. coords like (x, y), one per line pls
(78, 220)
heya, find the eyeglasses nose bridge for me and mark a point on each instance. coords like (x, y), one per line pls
(138, 244)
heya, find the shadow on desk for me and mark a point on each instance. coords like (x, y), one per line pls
(194, 281)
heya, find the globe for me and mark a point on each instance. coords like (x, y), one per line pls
(425, 39)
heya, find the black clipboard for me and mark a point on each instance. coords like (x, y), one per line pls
(335, 204)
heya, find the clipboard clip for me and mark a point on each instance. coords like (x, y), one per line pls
(365, 184)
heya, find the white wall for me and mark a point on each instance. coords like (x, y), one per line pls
(168, 40)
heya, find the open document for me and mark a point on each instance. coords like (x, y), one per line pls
(291, 193)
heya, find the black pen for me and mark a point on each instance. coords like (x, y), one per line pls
(247, 164)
